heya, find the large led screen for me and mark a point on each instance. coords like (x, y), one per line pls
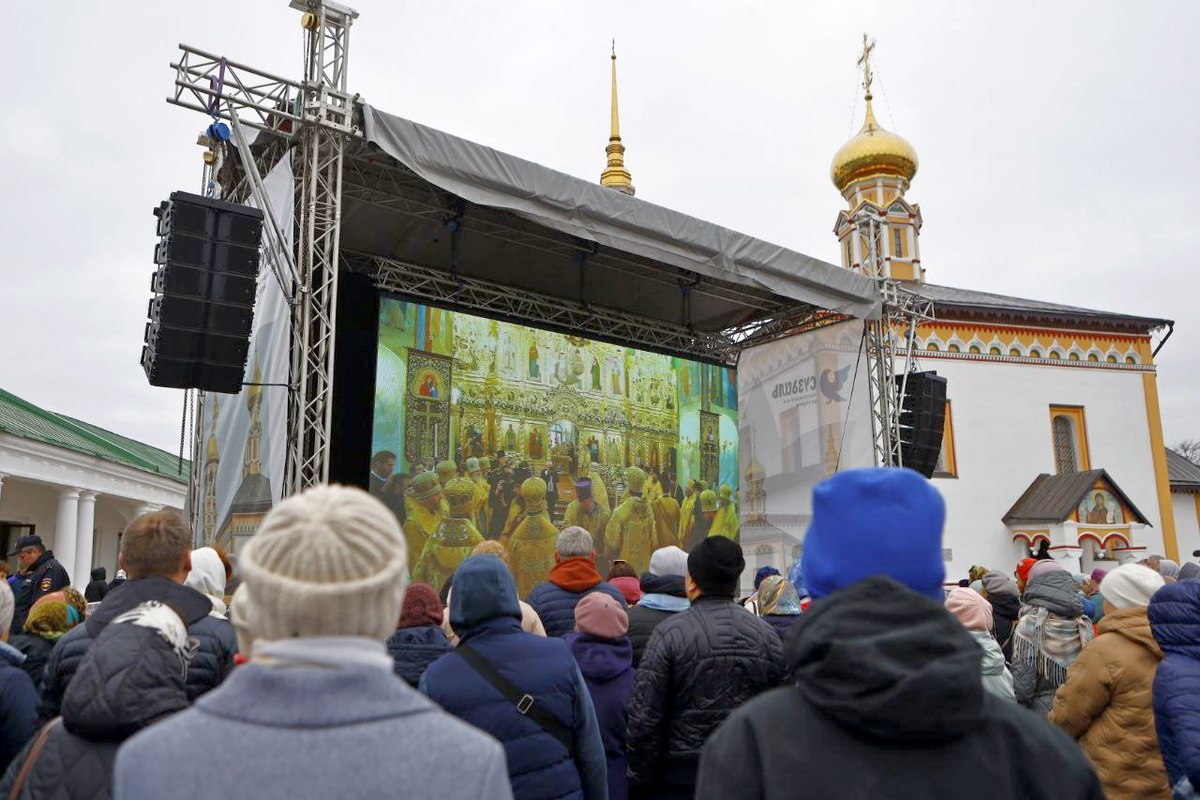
(451, 386)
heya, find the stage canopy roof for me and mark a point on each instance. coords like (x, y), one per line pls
(451, 222)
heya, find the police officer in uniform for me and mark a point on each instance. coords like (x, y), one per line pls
(40, 575)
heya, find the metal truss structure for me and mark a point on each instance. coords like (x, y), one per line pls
(315, 118)
(902, 311)
(326, 112)
(440, 288)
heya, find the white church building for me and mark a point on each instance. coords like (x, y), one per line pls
(77, 486)
(1053, 432)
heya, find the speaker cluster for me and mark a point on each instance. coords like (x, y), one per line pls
(202, 311)
(922, 420)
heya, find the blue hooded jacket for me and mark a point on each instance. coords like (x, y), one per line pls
(607, 666)
(486, 615)
(1174, 614)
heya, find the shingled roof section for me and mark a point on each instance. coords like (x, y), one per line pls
(21, 418)
(1183, 474)
(972, 303)
(1050, 499)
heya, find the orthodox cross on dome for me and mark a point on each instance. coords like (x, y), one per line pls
(864, 61)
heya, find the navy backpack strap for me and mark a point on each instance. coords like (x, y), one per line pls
(525, 703)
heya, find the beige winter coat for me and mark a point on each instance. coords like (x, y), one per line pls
(1106, 705)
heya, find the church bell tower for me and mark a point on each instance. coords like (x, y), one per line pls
(873, 172)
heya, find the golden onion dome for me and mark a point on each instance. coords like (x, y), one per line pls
(756, 471)
(871, 153)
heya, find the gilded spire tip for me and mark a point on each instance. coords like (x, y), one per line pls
(615, 176)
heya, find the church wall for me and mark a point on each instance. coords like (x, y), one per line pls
(1187, 523)
(1003, 441)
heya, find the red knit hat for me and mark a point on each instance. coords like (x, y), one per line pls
(601, 615)
(422, 606)
(1024, 567)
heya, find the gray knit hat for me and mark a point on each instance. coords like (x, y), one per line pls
(328, 562)
(7, 606)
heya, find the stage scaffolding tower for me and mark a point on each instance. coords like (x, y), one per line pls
(903, 311)
(313, 118)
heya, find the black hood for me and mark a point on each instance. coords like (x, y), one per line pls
(99, 574)
(1006, 605)
(190, 605)
(885, 662)
(663, 584)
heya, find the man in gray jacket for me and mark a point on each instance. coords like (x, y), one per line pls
(317, 710)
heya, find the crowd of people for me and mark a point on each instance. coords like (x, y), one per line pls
(856, 674)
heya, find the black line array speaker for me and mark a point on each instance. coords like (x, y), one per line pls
(198, 335)
(922, 420)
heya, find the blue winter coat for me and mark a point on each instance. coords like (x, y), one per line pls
(607, 667)
(556, 605)
(485, 613)
(414, 649)
(1175, 621)
(18, 705)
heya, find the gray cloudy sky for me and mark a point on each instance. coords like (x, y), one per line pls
(1057, 145)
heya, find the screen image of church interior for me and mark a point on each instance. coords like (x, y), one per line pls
(454, 387)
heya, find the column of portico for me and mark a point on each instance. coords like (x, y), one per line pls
(66, 528)
(1, 485)
(85, 535)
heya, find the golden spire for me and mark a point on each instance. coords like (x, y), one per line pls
(873, 152)
(615, 176)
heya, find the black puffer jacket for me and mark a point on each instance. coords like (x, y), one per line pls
(887, 704)
(129, 678)
(699, 666)
(643, 619)
(414, 649)
(37, 652)
(218, 643)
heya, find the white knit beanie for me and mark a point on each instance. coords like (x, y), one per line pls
(1131, 586)
(328, 562)
(668, 561)
(7, 606)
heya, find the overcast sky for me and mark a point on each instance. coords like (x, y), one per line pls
(1056, 140)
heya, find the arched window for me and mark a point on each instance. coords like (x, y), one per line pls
(1065, 459)
(1073, 356)
(1093, 357)
(974, 350)
(897, 242)
(1013, 351)
(1055, 355)
(1111, 359)
(995, 351)
(952, 349)
(1035, 353)
(932, 347)
(1130, 360)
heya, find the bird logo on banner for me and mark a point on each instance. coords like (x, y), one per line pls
(831, 387)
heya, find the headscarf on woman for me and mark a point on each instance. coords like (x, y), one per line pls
(778, 597)
(55, 614)
(1050, 633)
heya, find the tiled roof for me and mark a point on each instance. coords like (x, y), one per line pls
(1183, 474)
(22, 418)
(1050, 499)
(948, 297)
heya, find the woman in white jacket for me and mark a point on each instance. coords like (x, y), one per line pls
(975, 613)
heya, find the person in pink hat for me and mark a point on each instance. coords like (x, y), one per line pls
(601, 646)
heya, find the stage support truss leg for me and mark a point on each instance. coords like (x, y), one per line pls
(326, 120)
(903, 310)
